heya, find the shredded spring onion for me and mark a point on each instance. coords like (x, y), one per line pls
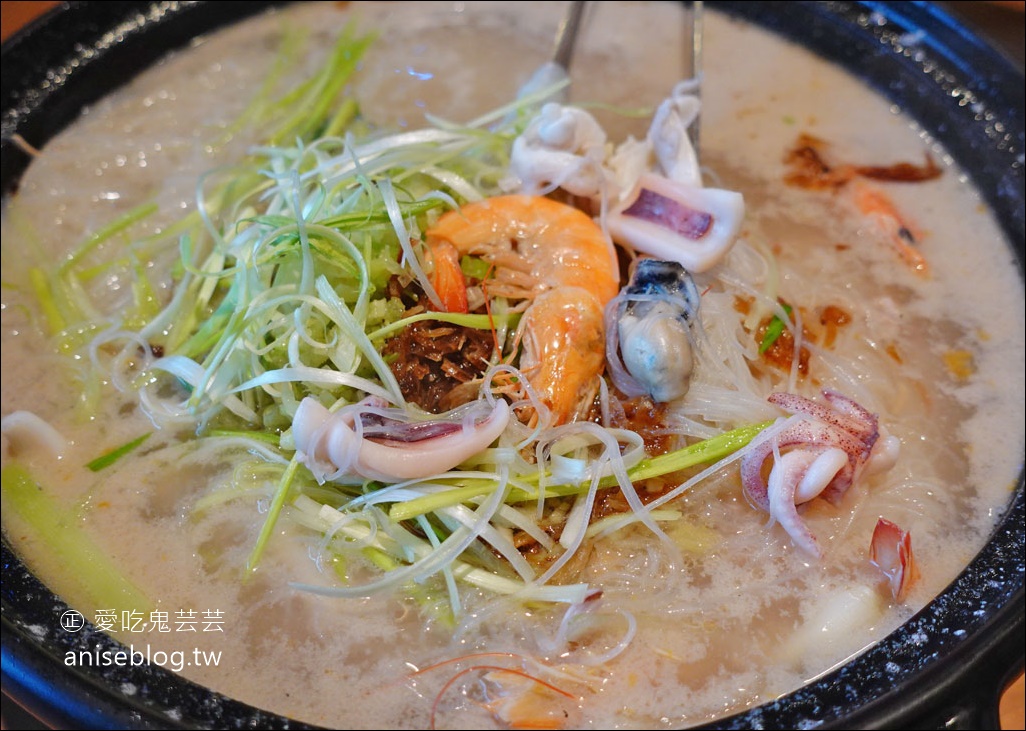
(82, 559)
(774, 330)
(107, 459)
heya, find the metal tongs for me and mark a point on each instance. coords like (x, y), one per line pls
(557, 70)
(566, 35)
(693, 60)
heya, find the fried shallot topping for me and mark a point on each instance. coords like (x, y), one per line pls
(432, 359)
(436, 363)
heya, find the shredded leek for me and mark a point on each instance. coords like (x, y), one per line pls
(107, 459)
(102, 585)
(284, 485)
(112, 229)
(709, 450)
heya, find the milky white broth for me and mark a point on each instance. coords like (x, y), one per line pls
(742, 621)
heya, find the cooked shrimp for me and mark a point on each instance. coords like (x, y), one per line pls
(557, 258)
(524, 701)
(809, 169)
(874, 203)
(564, 350)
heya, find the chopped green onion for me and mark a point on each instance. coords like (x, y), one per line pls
(480, 322)
(774, 330)
(110, 230)
(706, 451)
(474, 267)
(613, 522)
(310, 103)
(341, 119)
(266, 437)
(109, 458)
(47, 302)
(709, 450)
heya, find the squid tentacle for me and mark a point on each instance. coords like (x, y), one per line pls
(820, 456)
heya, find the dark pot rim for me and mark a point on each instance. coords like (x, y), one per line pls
(946, 667)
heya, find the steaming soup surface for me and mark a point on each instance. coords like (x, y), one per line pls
(746, 617)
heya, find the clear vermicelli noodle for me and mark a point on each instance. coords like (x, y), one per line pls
(456, 405)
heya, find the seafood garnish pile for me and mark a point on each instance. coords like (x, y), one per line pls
(462, 357)
(460, 360)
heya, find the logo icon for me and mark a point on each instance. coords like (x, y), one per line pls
(72, 621)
